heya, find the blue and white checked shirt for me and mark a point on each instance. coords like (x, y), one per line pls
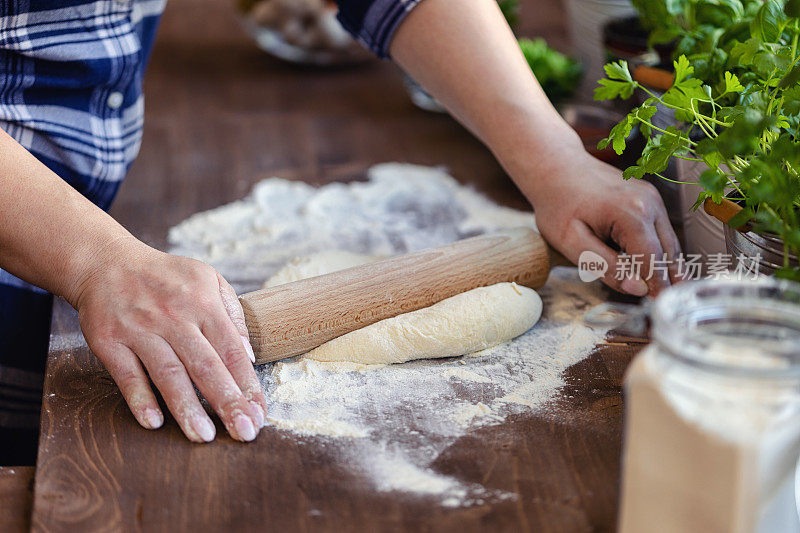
(71, 85)
(71, 77)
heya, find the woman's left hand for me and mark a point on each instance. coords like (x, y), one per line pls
(583, 204)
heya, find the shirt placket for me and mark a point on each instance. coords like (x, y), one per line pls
(122, 45)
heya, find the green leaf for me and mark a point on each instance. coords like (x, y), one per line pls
(662, 35)
(769, 22)
(791, 78)
(767, 63)
(701, 197)
(732, 84)
(641, 116)
(610, 89)
(744, 136)
(791, 273)
(745, 52)
(718, 12)
(644, 112)
(675, 7)
(619, 134)
(741, 218)
(791, 101)
(713, 159)
(713, 181)
(634, 171)
(735, 32)
(682, 69)
(709, 65)
(661, 148)
(618, 70)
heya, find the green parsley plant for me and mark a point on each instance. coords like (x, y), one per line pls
(743, 122)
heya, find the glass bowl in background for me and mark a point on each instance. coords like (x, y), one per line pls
(301, 31)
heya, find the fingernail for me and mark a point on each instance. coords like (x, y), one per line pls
(249, 349)
(634, 286)
(204, 428)
(259, 414)
(244, 427)
(153, 418)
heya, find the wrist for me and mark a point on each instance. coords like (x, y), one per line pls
(534, 150)
(95, 260)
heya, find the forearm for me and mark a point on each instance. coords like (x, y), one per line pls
(50, 235)
(145, 314)
(464, 53)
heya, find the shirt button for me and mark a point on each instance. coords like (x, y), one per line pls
(115, 100)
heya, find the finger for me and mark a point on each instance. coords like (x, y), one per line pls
(582, 239)
(234, 310)
(207, 371)
(638, 239)
(128, 374)
(226, 341)
(670, 244)
(170, 377)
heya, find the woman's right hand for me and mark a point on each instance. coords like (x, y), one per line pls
(178, 320)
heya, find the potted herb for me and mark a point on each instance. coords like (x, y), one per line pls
(738, 107)
(705, 31)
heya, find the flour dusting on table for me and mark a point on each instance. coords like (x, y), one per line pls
(401, 208)
(390, 423)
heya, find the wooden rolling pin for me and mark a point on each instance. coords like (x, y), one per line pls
(293, 318)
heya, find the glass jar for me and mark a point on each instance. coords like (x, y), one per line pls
(712, 420)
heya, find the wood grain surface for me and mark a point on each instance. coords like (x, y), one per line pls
(297, 317)
(16, 498)
(99, 471)
(220, 116)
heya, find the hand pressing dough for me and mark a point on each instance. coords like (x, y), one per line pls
(464, 323)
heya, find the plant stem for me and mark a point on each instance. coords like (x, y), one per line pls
(674, 181)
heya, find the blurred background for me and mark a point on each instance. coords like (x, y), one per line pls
(222, 114)
(242, 90)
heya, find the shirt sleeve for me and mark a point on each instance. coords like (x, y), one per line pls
(373, 22)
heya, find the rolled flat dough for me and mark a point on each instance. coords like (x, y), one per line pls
(464, 323)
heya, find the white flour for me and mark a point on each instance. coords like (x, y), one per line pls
(402, 208)
(390, 423)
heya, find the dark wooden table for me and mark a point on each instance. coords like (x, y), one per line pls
(221, 115)
(16, 498)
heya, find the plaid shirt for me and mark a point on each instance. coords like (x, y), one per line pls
(373, 22)
(71, 77)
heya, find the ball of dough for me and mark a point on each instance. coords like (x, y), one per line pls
(464, 323)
